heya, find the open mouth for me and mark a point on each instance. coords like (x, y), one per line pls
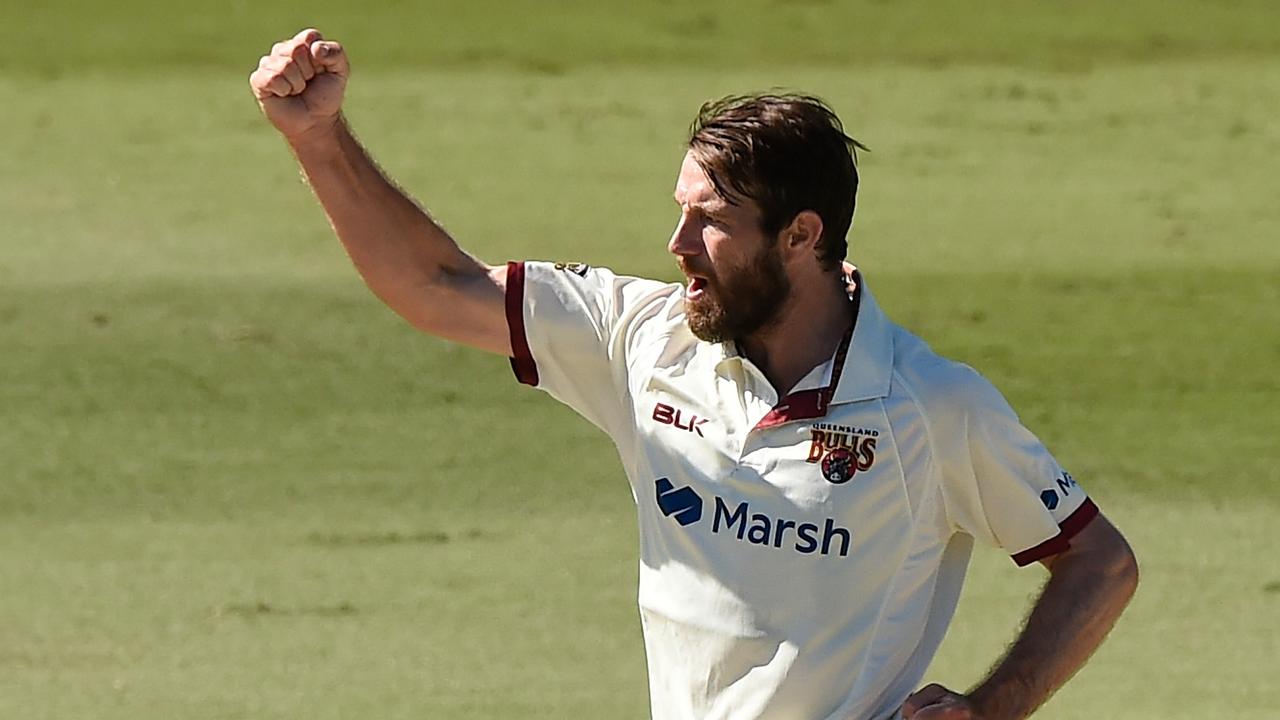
(696, 287)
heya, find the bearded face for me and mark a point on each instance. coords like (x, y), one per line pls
(737, 283)
(735, 302)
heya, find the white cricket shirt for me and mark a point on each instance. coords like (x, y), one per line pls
(800, 557)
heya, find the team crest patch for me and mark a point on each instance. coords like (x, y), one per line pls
(841, 451)
(579, 269)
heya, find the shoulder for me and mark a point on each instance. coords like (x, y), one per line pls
(627, 312)
(599, 288)
(610, 285)
(947, 393)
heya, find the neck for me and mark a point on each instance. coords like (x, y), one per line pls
(805, 333)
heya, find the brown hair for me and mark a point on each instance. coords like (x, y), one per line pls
(787, 153)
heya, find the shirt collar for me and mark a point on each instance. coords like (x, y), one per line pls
(868, 369)
(862, 365)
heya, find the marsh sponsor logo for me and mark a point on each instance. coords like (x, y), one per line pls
(1049, 498)
(761, 529)
(738, 522)
(684, 503)
(1064, 485)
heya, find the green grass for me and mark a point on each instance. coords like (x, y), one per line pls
(235, 486)
(531, 36)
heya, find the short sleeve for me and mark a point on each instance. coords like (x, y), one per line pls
(999, 482)
(573, 330)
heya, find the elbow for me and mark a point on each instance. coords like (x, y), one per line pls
(1131, 572)
(1122, 569)
(1105, 554)
(1100, 556)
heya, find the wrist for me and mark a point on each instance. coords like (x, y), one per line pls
(324, 135)
(980, 704)
(986, 704)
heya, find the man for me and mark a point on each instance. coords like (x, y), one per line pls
(809, 477)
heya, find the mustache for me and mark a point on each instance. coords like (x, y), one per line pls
(700, 272)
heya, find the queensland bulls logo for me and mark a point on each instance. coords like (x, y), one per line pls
(842, 451)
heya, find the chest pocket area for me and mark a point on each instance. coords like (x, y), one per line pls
(845, 465)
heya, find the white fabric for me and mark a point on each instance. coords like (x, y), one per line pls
(790, 596)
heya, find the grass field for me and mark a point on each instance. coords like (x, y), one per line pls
(235, 487)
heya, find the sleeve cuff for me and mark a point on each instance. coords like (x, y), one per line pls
(1067, 529)
(522, 364)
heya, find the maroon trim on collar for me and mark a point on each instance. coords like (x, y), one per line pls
(1067, 529)
(522, 363)
(810, 404)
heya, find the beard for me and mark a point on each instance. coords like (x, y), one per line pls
(741, 302)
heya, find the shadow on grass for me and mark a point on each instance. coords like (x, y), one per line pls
(262, 608)
(382, 539)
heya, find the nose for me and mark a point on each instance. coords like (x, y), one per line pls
(686, 240)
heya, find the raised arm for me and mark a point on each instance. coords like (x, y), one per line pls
(405, 258)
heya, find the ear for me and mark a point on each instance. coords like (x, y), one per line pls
(801, 237)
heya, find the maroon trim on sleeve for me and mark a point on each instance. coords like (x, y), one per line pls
(522, 363)
(1067, 529)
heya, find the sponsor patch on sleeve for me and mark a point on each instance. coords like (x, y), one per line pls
(577, 268)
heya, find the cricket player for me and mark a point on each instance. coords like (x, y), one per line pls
(809, 477)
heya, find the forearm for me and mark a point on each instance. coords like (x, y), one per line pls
(396, 247)
(1074, 613)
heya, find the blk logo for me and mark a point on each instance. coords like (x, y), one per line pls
(684, 504)
(668, 415)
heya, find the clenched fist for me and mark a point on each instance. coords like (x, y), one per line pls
(299, 85)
